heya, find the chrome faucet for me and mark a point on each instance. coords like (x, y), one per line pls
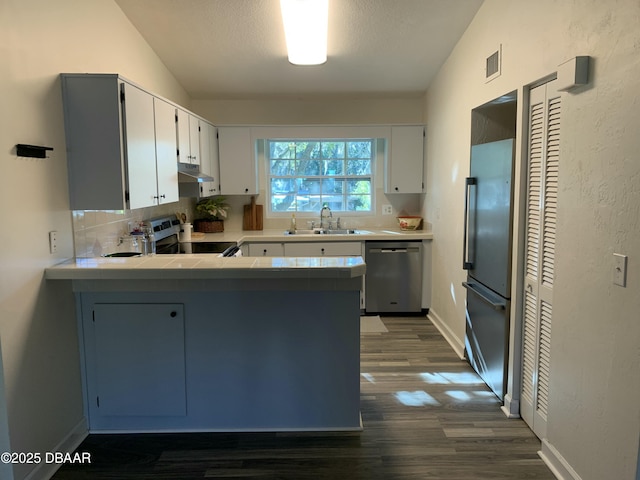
(325, 208)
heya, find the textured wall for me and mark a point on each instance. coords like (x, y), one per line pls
(594, 413)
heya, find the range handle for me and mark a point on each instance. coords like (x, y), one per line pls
(497, 303)
(467, 260)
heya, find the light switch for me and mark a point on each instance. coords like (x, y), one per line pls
(620, 269)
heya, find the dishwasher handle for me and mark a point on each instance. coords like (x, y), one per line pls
(394, 250)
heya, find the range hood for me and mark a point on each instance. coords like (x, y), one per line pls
(188, 173)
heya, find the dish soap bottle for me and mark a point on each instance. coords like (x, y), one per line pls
(292, 227)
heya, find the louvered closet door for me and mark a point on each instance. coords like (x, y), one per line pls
(542, 202)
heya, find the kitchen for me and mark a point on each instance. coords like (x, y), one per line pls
(598, 335)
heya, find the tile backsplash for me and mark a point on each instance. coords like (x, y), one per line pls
(97, 232)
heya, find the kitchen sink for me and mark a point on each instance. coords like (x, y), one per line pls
(122, 254)
(323, 231)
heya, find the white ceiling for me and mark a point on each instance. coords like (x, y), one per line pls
(236, 48)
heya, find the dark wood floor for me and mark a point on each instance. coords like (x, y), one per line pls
(426, 415)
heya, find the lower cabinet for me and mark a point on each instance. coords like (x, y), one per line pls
(136, 359)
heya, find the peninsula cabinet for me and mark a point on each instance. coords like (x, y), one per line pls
(405, 160)
(136, 354)
(238, 164)
(121, 144)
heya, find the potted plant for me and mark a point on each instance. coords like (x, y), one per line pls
(211, 212)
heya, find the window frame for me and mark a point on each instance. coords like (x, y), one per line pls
(374, 159)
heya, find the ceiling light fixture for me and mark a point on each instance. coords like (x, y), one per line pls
(305, 29)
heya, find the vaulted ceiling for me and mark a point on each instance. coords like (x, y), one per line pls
(236, 48)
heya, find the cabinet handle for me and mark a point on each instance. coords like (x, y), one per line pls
(322, 250)
(246, 190)
(396, 188)
(264, 252)
(173, 314)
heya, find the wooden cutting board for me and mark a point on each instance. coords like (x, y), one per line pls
(252, 219)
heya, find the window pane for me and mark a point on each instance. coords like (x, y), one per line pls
(308, 167)
(312, 203)
(333, 150)
(283, 167)
(358, 167)
(359, 202)
(310, 185)
(333, 167)
(360, 149)
(335, 202)
(332, 185)
(282, 149)
(359, 186)
(307, 150)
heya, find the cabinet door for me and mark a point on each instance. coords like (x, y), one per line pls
(140, 150)
(138, 360)
(209, 158)
(330, 249)
(194, 139)
(238, 166)
(182, 132)
(405, 162)
(166, 166)
(266, 250)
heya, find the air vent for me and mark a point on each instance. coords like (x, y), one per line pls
(493, 63)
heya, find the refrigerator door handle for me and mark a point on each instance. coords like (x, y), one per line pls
(497, 304)
(467, 261)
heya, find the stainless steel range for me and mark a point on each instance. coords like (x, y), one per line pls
(165, 230)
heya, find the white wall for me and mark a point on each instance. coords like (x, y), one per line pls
(39, 39)
(594, 412)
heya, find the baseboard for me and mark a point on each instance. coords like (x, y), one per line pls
(447, 333)
(44, 471)
(510, 408)
(556, 462)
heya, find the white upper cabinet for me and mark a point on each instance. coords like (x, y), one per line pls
(121, 144)
(405, 160)
(238, 165)
(188, 130)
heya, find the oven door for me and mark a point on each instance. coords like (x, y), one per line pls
(168, 246)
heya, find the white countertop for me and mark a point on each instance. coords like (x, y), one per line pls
(205, 266)
(246, 236)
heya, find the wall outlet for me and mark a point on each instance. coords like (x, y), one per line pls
(619, 269)
(387, 210)
(53, 241)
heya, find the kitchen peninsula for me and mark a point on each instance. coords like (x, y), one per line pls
(205, 343)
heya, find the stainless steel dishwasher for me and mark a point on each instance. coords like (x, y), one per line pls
(393, 282)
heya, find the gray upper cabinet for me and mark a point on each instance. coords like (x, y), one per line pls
(121, 144)
(405, 160)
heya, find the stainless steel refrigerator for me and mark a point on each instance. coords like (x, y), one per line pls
(487, 259)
